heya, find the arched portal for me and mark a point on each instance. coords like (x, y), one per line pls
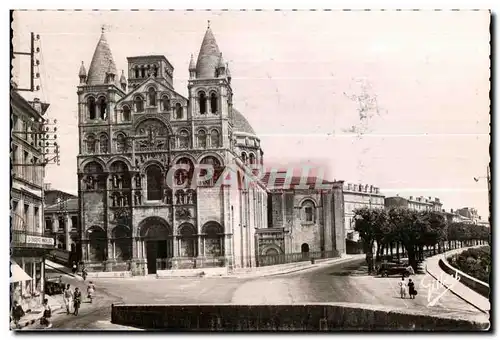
(188, 240)
(122, 243)
(213, 239)
(156, 243)
(304, 249)
(97, 244)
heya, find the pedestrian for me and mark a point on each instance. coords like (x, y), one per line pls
(77, 300)
(84, 273)
(74, 268)
(67, 296)
(47, 314)
(17, 313)
(411, 289)
(90, 291)
(402, 287)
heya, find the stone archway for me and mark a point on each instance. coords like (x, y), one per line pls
(156, 243)
(213, 239)
(97, 246)
(188, 240)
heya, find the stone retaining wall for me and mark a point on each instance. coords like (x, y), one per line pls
(471, 282)
(303, 317)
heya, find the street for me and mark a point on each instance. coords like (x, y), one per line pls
(341, 282)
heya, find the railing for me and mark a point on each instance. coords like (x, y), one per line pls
(270, 260)
(21, 238)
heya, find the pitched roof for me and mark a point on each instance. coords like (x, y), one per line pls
(208, 58)
(102, 62)
(67, 205)
(241, 124)
(279, 182)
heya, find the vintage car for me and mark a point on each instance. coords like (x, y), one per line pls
(389, 268)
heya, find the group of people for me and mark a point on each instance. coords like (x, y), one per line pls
(18, 313)
(74, 299)
(412, 292)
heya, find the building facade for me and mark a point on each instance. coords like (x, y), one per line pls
(359, 196)
(63, 225)
(414, 203)
(28, 245)
(141, 142)
(304, 221)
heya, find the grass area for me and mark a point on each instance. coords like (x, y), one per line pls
(475, 262)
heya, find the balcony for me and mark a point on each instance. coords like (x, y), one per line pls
(24, 239)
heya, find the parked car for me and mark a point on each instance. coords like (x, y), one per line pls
(53, 287)
(389, 268)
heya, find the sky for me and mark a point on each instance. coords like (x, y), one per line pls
(398, 100)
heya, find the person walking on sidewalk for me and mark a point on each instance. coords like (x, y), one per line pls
(77, 300)
(90, 291)
(402, 287)
(17, 313)
(67, 296)
(47, 314)
(74, 268)
(411, 289)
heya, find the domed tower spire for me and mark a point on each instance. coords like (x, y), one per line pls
(102, 63)
(209, 55)
(123, 81)
(82, 74)
(192, 68)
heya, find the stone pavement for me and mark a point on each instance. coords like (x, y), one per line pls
(454, 286)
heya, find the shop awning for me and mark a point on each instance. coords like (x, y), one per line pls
(17, 274)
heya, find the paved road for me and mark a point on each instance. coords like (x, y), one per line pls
(340, 282)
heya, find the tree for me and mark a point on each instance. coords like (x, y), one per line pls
(369, 224)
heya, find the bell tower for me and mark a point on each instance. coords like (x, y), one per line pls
(209, 86)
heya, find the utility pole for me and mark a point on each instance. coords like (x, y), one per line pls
(34, 62)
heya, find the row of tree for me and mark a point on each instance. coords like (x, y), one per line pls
(413, 232)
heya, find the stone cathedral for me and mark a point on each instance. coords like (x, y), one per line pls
(136, 132)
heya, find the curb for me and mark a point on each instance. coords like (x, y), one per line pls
(453, 292)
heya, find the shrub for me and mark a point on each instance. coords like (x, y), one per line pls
(475, 262)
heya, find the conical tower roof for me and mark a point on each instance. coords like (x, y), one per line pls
(123, 80)
(208, 58)
(221, 62)
(192, 65)
(83, 71)
(102, 63)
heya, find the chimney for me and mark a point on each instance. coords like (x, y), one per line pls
(411, 198)
(47, 186)
(349, 186)
(451, 210)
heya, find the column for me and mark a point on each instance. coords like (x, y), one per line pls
(67, 232)
(135, 253)
(199, 253)
(55, 223)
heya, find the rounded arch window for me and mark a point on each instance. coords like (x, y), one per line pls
(244, 157)
(165, 103)
(202, 139)
(252, 158)
(178, 111)
(120, 142)
(308, 211)
(103, 143)
(214, 138)
(213, 102)
(139, 104)
(126, 113)
(103, 108)
(91, 144)
(154, 179)
(92, 168)
(91, 106)
(184, 139)
(202, 101)
(136, 71)
(152, 96)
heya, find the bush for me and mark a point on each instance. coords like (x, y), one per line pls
(475, 262)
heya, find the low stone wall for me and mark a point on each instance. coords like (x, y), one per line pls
(471, 282)
(204, 272)
(300, 317)
(107, 275)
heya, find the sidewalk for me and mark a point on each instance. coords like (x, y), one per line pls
(56, 269)
(288, 268)
(449, 282)
(35, 315)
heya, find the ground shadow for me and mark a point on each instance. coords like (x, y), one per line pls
(351, 270)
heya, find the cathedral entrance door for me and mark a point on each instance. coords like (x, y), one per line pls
(158, 241)
(151, 250)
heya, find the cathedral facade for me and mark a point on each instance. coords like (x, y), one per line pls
(153, 165)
